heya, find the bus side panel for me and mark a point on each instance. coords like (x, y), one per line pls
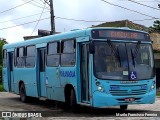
(53, 88)
(56, 93)
(68, 76)
(28, 76)
(5, 79)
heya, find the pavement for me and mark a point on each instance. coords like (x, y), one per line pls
(11, 102)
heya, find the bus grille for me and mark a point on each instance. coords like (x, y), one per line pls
(128, 90)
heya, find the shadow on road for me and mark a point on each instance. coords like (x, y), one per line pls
(54, 109)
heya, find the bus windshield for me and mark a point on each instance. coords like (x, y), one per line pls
(129, 63)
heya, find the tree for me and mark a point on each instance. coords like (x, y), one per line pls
(2, 42)
(156, 26)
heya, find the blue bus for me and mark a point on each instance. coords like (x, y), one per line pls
(95, 67)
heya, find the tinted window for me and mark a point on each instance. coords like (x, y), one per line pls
(53, 55)
(21, 52)
(31, 51)
(30, 57)
(20, 57)
(68, 46)
(52, 48)
(68, 53)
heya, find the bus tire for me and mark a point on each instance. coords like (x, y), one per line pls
(123, 107)
(22, 92)
(73, 101)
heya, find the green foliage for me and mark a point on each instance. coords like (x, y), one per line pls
(1, 87)
(156, 26)
(158, 94)
(2, 42)
(0, 74)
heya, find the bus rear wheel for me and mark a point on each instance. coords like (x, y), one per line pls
(22, 90)
(123, 107)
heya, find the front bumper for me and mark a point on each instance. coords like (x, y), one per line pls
(101, 99)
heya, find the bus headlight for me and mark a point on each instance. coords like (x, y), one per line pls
(153, 85)
(99, 88)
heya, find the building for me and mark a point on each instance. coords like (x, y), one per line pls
(124, 23)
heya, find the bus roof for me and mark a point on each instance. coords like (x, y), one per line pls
(66, 35)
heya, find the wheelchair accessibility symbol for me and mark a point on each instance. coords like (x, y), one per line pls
(133, 75)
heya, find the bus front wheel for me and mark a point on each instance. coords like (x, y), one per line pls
(73, 101)
(123, 107)
(22, 90)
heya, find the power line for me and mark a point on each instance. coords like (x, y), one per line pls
(45, 19)
(39, 18)
(99, 20)
(77, 19)
(146, 19)
(24, 23)
(22, 17)
(143, 5)
(127, 9)
(46, 2)
(41, 4)
(15, 7)
(34, 3)
(66, 19)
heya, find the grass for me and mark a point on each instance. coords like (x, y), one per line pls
(158, 94)
(1, 87)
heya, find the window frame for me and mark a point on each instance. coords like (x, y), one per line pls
(30, 56)
(24, 56)
(58, 53)
(74, 53)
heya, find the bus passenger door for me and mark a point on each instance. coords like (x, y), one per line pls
(84, 69)
(11, 78)
(42, 66)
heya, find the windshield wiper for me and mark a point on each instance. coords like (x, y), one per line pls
(136, 49)
(135, 53)
(114, 50)
(132, 58)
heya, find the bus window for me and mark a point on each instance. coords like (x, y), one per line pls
(68, 53)
(53, 54)
(4, 58)
(30, 56)
(20, 57)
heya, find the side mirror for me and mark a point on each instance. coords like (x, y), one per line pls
(91, 48)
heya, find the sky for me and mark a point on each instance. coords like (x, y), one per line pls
(21, 12)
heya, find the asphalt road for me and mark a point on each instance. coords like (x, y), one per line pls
(51, 110)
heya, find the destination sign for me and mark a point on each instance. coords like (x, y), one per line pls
(119, 34)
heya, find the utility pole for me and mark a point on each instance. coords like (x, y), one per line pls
(52, 17)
